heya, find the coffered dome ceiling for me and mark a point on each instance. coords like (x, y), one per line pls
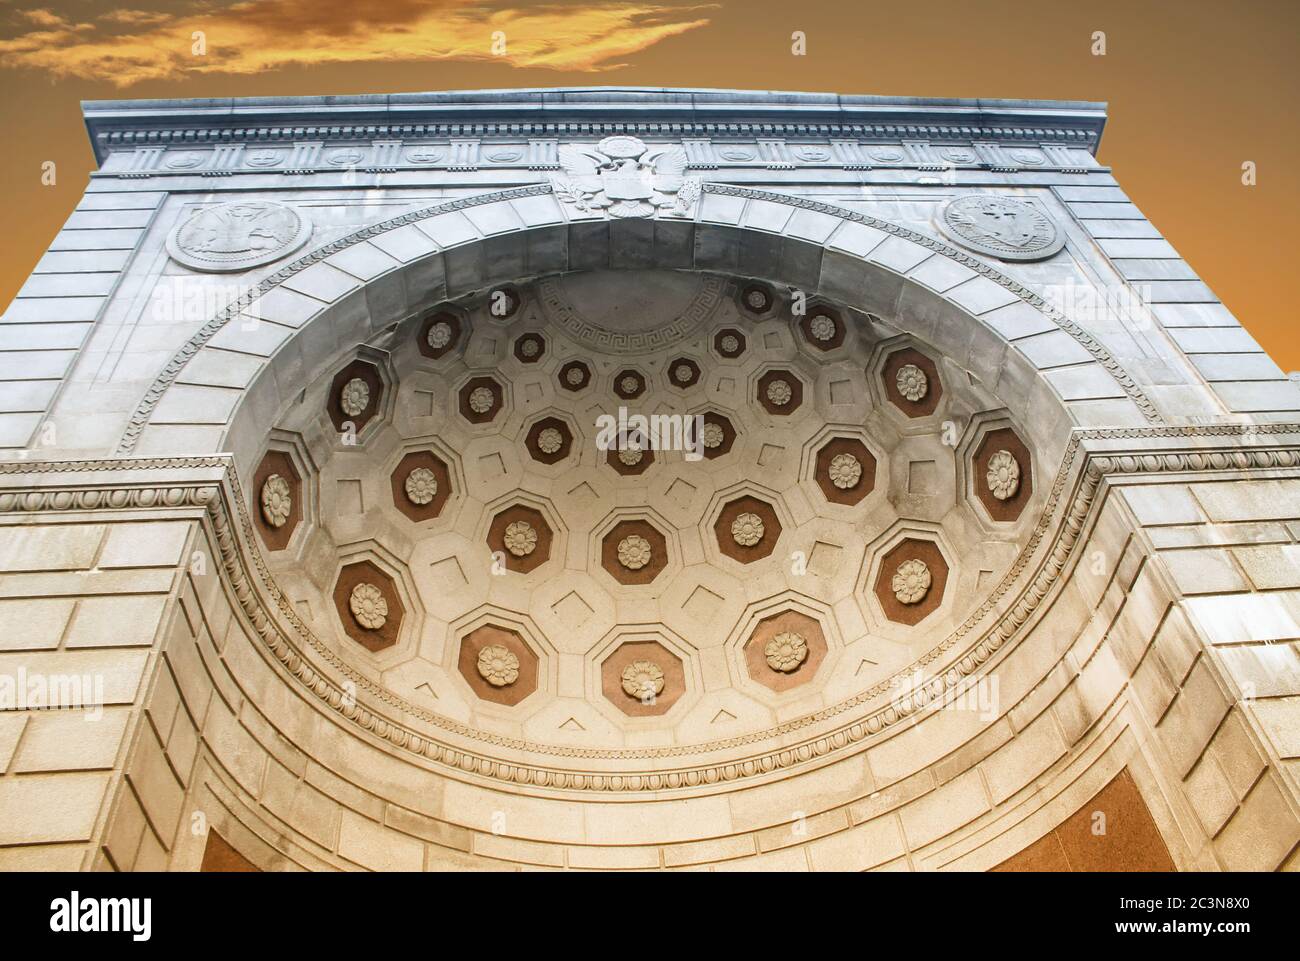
(813, 505)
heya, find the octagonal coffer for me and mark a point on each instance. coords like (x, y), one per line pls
(642, 678)
(520, 539)
(368, 605)
(498, 664)
(911, 581)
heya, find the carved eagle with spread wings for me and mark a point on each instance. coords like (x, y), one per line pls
(625, 177)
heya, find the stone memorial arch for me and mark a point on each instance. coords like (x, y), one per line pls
(618, 478)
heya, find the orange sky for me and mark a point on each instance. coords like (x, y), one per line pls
(1195, 87)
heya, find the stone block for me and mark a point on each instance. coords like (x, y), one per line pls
(75, 678)
(43, 808)
(49, 547)
(1163, 504)
(1016, 764)
(1209, 571)
(1238, 755)
(34, 623)
(72, 741)
(614, 858)
(1211, 796)
(1270, 567)
(944, 809)
(301, 805)
(1280, 718)
(234, 748)
(1262, 833)
(1262, 670)
(867, 845)
(373, 846)
(11, 729)
(160, 792)
(704, 852)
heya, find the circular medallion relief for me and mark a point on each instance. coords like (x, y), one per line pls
(421, 486)
(912, 382)
(643, 679)
(1001, 227)
(911, 581)
(779, 393)
(238, 236)
(634, 552)
(521, 538)
(355, 397)
(277, 501)
(439, 335)
(1003, 476)
(747, 529)
(822, 327)
(481, 400)
(368, 606)
(550, 440)
(786, 651)
(845, 471)
(498, 665)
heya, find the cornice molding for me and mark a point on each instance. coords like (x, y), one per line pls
(1072, 506)
(567, 112)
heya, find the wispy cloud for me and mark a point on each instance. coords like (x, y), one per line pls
(129, 46)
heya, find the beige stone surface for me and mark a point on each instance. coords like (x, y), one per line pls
(1140, 615)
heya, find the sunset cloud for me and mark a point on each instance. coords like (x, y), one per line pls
(129, 46)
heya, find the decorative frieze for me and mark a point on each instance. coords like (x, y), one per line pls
(545, 154)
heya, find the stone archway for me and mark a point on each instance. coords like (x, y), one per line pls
(393, 268)
(470, 245)
(301, 744)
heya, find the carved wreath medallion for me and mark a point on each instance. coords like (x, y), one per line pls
(354, 398)
(237, 236)
(439, 335)
(845, 471)
(912, 382)
(549, 440)
(779, 393)
(1001, 227)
